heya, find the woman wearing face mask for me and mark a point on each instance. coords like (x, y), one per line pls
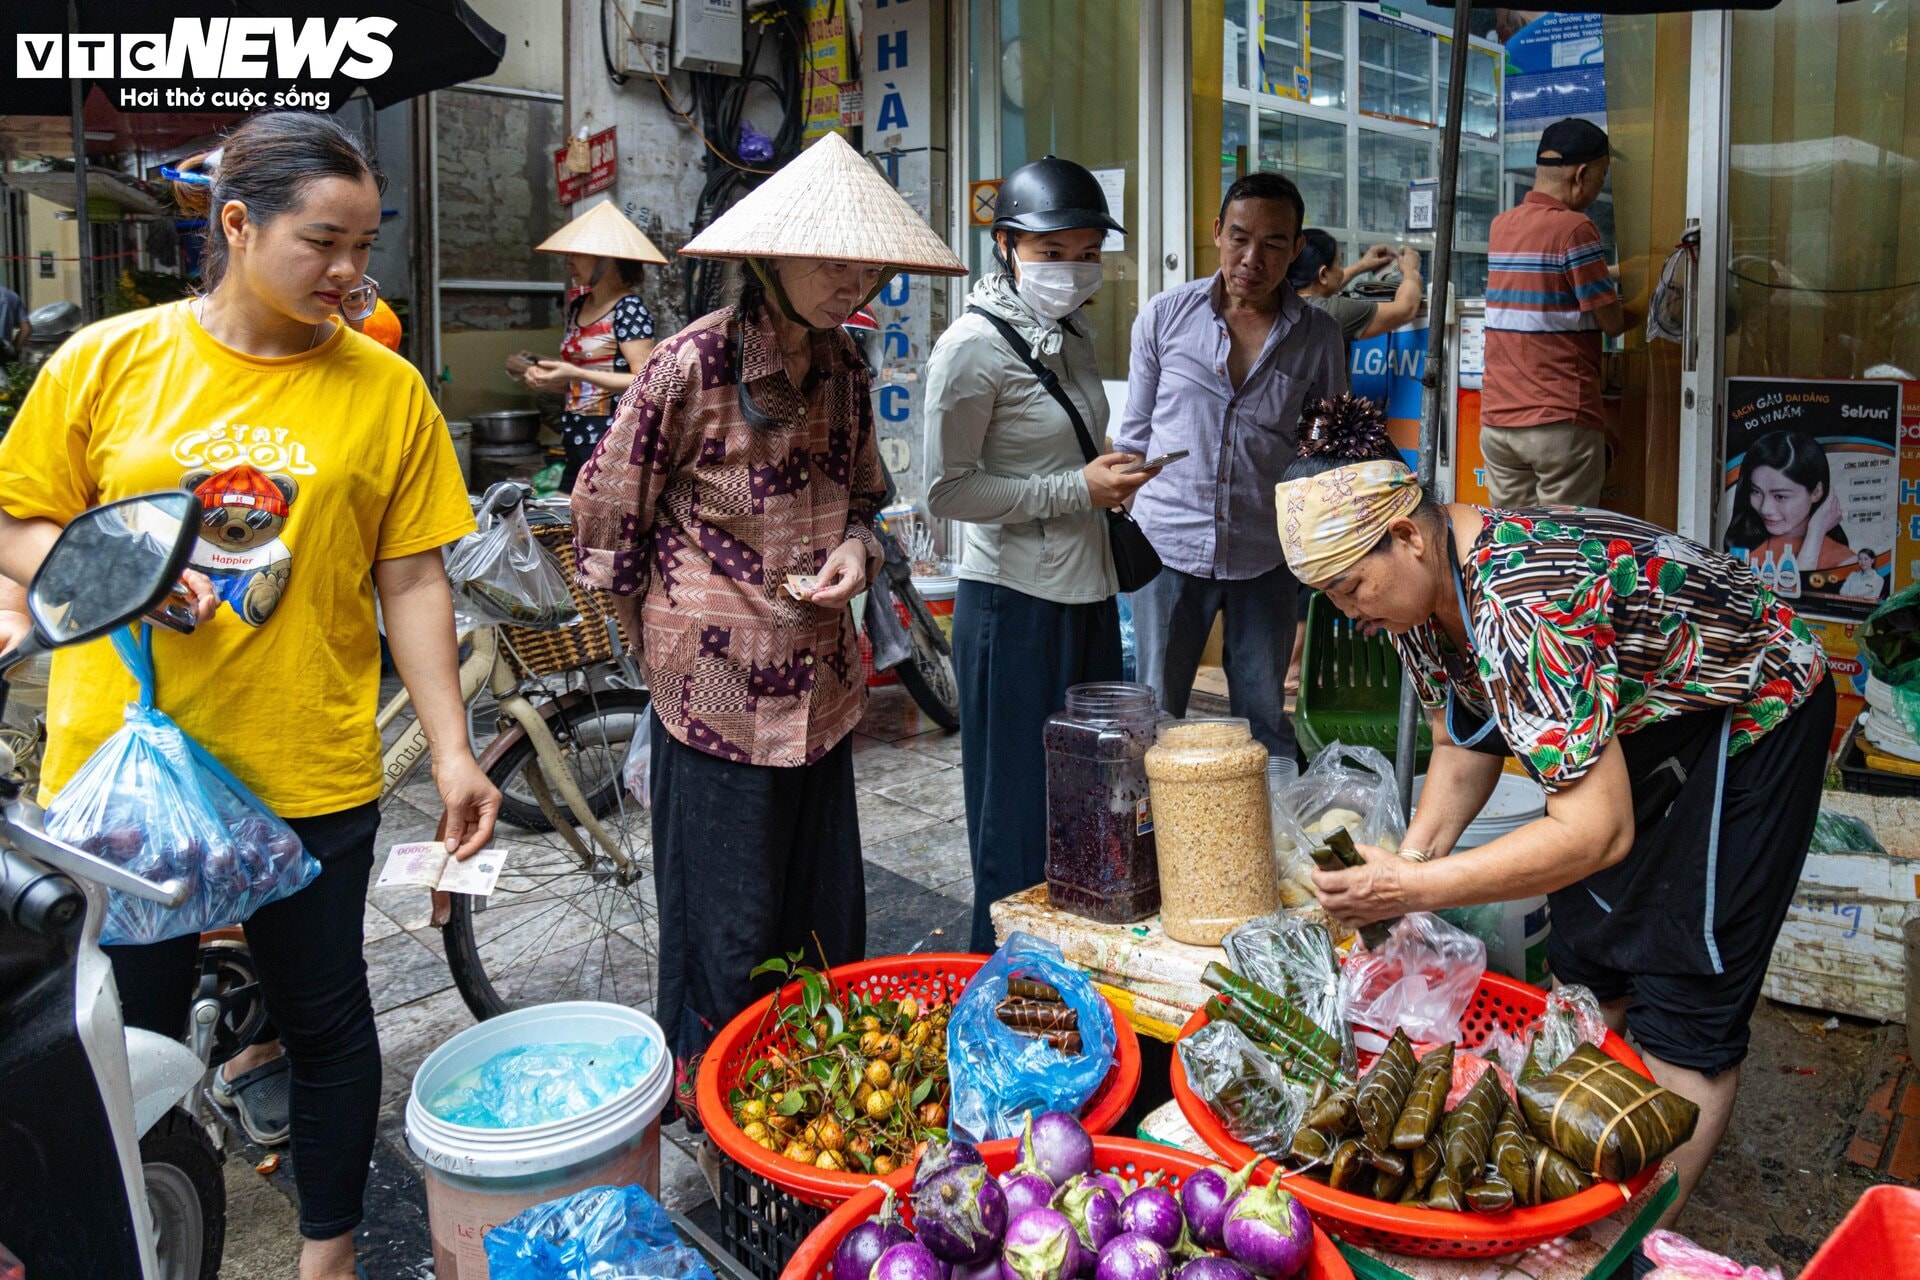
(1035, 612)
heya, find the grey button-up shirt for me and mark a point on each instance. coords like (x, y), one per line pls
(1212, 514)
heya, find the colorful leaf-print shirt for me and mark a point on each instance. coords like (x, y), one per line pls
(1586, 624)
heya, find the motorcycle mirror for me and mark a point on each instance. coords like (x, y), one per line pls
(111, 565)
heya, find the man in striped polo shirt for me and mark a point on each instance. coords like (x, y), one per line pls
(1550, 295)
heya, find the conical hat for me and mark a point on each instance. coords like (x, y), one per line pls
(828, 203)
(604, 232)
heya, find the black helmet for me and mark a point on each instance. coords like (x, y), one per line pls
(1052, 194)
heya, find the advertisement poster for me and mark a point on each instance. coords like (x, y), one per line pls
(1813, 489)
(1556, 67)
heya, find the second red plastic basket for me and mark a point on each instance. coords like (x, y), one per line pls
(936, 978)
(1501, 1004)
(1128, 1158)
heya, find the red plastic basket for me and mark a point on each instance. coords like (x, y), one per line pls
(1128, 1158)
(1879, 1237)
(1501, 1004)
(936, 978)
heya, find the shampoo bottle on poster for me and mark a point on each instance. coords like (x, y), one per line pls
(1788, 578)
(1769, 576)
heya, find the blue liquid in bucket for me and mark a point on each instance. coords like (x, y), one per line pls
(540, 1083)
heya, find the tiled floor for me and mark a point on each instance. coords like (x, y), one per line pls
(918, 899)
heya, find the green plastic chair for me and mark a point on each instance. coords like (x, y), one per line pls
(1349, 688)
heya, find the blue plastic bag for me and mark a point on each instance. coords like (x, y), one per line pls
(152, 801)
(602, 1233)
(540, 1083)
(998, 1075)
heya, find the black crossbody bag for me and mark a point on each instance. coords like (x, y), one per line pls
(1135, 562)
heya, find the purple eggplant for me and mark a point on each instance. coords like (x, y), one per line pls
(941, 1155)
(1153, 1212)
(988, 1270)
(1092, 1210)
(960, 1213)
(1269, 1232)
(1132, 1256)
(1116, 1188)
(1210, 1268)
(1040, 1245)
(1057, 1146)
(908, 1261)
(1205, 1199)
(863, 1245)
(1025, 1189)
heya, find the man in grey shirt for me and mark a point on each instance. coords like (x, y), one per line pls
(1221, 368)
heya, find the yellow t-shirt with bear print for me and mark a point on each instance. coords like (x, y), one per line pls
(309, 468)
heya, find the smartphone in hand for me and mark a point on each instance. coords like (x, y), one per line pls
(1151, 464)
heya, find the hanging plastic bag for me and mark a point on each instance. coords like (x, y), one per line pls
(546, 481)
(1419, 981)
(634, 770)
(1243, 1085)
(1889, 641)
(999, 1075)
(602, 1233)
(1351, 787)
(153, 802)
(1295, 960)
(501, 574)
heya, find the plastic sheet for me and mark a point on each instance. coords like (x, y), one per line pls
(501, 574)
(1419, 981)
(152, 801)
(1295, 959)
(1242, 1085)
(540, 1083)
(602, 1233)
(1841, 833)
(1677, 1258)
(639, 762)
(1000, 1075)
(1572, 1018)
(1351, 787)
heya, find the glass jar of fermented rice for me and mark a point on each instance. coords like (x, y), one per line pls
(1212, 828)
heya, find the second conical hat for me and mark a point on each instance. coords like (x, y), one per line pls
(828, 203)
(604, 232)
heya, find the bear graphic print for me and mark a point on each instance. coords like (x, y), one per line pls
(242, 513)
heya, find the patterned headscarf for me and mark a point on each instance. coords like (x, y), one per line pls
(1329, 522)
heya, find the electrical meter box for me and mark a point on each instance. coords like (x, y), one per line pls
(708, 36)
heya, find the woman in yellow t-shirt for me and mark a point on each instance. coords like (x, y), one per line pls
(324, 471)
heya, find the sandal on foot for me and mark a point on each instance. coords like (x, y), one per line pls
(260, 1099)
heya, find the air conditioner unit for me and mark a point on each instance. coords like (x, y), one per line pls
(708, 36)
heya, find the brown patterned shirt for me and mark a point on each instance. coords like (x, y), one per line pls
(703, 515)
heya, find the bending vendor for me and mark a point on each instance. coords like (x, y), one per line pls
(1676, 713)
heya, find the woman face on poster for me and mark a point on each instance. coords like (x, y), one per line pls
(1786, 493)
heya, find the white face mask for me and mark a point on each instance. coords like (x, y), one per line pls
(1056, 289)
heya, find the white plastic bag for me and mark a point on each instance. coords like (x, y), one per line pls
(1420, 981)
(501, 574)
(1351, 787)
(633, 771)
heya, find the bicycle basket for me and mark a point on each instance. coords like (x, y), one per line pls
(569, 648)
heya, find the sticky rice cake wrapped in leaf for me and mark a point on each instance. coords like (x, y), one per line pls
(1493, 1195)
(1426, 1101)
(1606, 1118)
(1466, 1136)
(1383, 1091)
(1423, 1164)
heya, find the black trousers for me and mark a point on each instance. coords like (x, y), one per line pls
(750, 862)
(1015, 656)
(307, 949)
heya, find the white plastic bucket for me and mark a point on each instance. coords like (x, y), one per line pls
(479, 1178)
(1518, 945)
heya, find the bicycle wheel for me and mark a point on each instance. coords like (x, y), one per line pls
(519, 806)
(564, 924)
(928, 673)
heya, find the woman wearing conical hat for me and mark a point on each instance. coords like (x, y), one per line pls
(609, 329)
(741, 461)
